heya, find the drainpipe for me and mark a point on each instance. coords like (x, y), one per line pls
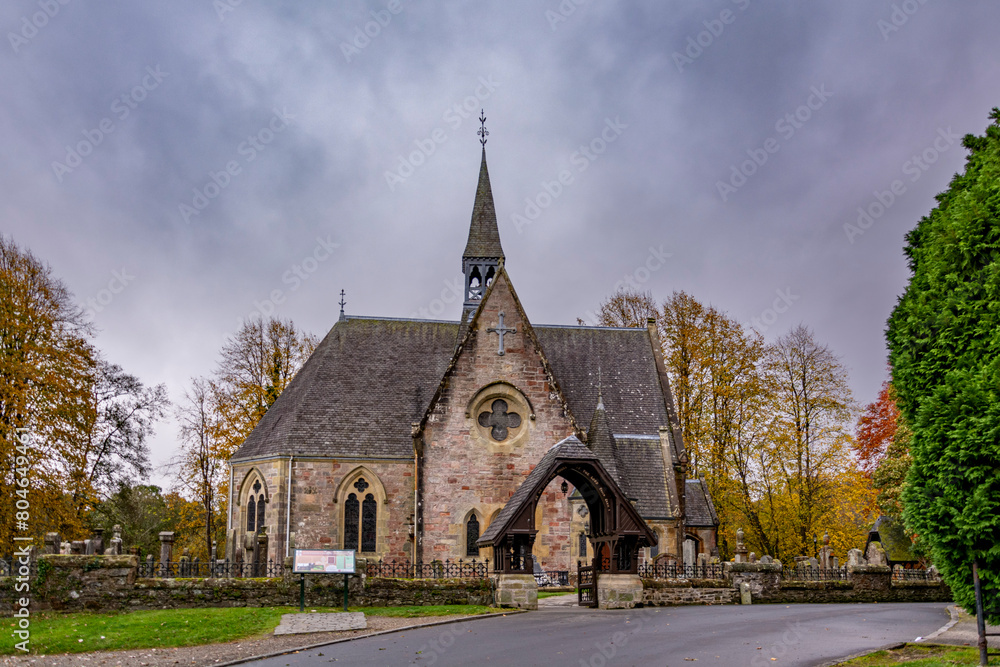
(229, 518)
(288, 507)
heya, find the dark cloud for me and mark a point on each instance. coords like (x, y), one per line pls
(554, 80)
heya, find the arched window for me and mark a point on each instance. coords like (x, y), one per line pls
(472, 536)
(251, 515)
(351, 508)
(368, 524)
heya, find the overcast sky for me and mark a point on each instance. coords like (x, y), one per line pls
(181, 163)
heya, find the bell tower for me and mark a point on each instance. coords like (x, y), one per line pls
(483, 254)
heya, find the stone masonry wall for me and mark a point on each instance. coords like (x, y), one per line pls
(108, 583)
(464, 469)
(673, 592)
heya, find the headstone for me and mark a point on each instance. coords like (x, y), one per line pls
(855, 558)
(825, 553)
(77, 547)
(766, 559)
(834, 563)
(66, 548)
(166, 550)
(876, 554)
(98, 539)
(753, 557)
(185, 564)
(813, 563)
(52, 543)
(745, 597)
(89, 547)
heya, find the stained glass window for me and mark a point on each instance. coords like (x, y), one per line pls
(351, 508)
(251, 515)
(472, 536)
(368, 516)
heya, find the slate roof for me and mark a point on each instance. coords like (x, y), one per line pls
(630, 384)
(484, 236)
(699, 512)
(642, 475)
(359, 392)
(370, 378)
(569, 448)
(898, 547)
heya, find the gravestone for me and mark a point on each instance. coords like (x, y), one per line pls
(52, 543)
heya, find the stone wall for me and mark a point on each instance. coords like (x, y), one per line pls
(673, 592)
(109, 583)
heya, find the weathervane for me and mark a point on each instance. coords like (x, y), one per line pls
(342, 304)
(482, 131)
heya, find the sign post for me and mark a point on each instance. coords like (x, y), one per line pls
(314, 561)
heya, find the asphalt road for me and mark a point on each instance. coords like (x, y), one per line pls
(726, 636)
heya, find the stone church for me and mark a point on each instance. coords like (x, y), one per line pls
(403, 438)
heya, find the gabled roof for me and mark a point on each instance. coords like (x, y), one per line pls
(569, 450)
(699, 512)
(359, 392)
(484, 236)
(528, 331)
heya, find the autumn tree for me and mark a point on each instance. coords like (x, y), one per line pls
(109, 447)
(811, 410)
(256, 365)
(200, 466)
(945, 361)
(627, 308)
(882, 446)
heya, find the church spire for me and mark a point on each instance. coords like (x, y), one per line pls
(483, 253)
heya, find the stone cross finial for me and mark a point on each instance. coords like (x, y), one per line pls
(501, 329)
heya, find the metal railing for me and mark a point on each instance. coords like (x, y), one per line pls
(447, 569)
(219, 569)
(673, 571)
(808, 573)
(902, 574)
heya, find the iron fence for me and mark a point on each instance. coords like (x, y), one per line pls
(808, 573)
(218, 569)
(901, 574)
(447, 569)
(673, 571)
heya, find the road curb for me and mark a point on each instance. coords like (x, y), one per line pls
(953, 610)
(887, 647)
(309, 647)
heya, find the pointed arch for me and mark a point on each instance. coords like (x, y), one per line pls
(473, 525)
(363, 514)
(252, 495)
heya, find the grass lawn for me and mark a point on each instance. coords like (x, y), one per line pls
(78, 633)
(548, 594)
(922, 655)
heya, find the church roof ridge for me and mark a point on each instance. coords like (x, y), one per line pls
(378, 318)
(589, 326)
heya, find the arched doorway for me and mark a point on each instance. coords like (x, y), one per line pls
(617, 532)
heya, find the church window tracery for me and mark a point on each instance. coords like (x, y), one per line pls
(369, 511)
(255, 505)
(499, 420)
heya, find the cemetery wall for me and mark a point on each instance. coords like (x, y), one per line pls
(109, 583)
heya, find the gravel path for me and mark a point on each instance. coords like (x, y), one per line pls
(214, 654)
